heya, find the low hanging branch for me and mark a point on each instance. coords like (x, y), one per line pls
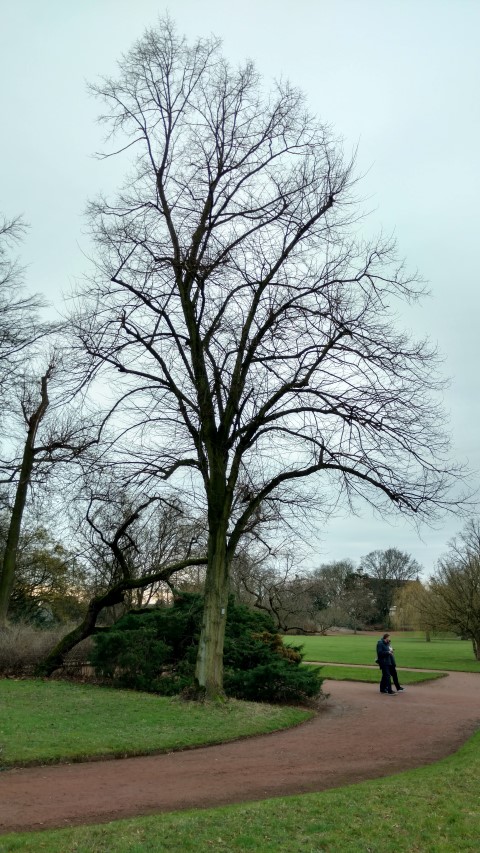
(115, 595)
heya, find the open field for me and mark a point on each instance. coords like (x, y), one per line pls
(432, 810)
(410, 651)
(44, 722)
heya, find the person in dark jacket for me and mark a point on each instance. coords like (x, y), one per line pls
(383, 660)
(393, 671)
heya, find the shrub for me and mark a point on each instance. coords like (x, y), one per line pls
(275, 681)
(156, 650)
(24, 646)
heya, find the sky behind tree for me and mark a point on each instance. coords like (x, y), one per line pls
(398, 81)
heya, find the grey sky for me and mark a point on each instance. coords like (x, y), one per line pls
(398, 78)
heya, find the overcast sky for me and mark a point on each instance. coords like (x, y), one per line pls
(398, 78)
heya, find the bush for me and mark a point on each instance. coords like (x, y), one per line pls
(156, 650)
(23, 647)
(275, 681)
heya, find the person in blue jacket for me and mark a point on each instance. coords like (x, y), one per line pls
(392, 666)
(383, 660)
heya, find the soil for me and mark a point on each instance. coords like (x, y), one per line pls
(358, 734)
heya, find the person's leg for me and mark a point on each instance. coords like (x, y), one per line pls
(393, 673)
(385, 683)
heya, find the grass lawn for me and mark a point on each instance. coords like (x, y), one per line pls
(372, 676)
(43, 722)
(410, 650)
(432, 810)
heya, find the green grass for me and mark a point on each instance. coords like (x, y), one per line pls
(432, 810)
(410, 651)
(372, 676)
(44, 722)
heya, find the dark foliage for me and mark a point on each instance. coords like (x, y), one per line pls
(155, 650)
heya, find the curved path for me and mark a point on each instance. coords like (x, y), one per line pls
(359, 734)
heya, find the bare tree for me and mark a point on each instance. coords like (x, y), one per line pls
(272, 581)
(46, 442)
(122, 530)
(455, 587)
(388, 570)
(248, 325)
(343, 595)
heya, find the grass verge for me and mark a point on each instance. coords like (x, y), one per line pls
(432, 810)
(372, 676)
(72, 722)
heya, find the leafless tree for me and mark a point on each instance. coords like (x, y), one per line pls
(456, 587)
(343, 595)
(250, 328)
(388, 570)
(127, 530)
(273, 581)
(50, 436)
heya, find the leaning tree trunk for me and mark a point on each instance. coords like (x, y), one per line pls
(56, 658)
(7, 575)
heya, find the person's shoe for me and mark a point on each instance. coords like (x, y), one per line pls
(389, 692)
(400, 689)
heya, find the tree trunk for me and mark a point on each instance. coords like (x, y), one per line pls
(10, 555)
(428, 638)
(209, 667)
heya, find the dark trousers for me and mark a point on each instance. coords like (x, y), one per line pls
(385, 683)
(393, 673)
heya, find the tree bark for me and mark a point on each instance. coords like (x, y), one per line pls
(209, 665)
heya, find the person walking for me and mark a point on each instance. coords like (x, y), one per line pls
(383, 660)
(392, 666)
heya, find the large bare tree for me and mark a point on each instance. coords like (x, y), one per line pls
(248, 324)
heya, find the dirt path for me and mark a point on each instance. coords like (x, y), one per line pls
(347, 742)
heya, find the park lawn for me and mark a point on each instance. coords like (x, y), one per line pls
(45, 722)
(410, 651)
(435, 809)
(372, 676)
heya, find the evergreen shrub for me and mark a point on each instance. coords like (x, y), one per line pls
(155, 651)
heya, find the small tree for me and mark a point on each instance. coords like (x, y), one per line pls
(49, 585)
